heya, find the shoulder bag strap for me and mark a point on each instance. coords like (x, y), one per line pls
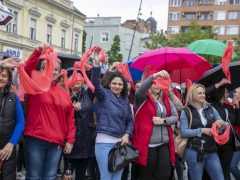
(190, 117)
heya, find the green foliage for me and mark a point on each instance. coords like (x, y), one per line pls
(84, 41)
(158, 40)
(113, 54)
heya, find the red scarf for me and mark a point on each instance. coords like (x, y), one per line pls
(166, 103)
(227, 56)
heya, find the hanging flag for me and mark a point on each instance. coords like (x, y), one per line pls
(5, 15)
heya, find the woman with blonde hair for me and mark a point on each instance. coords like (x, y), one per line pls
(201, 150)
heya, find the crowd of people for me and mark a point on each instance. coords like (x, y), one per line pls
(57, 120)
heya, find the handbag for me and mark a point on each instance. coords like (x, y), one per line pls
(120, 156)
(235, 134)
(180, 142)
(68, 173)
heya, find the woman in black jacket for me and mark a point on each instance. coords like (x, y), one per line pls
(83, 148)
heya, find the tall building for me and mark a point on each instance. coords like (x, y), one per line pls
(221, 15)
(101, 31)
(56, 22)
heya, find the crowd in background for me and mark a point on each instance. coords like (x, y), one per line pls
(82, 125)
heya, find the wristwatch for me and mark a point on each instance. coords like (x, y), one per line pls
(164, 121)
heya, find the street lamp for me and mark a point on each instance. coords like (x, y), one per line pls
(135, 27)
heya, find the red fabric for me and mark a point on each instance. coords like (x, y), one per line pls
(177, 93)
(83, 64)
(76, 77)
(123, 68)
(220, 139)
(63, 74)
(38, 81)
(50, 116)
(227, 56)
(188, 83)
(142, 132)
(163, 83)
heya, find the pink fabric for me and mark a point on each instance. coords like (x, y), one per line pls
(63, 74)
(227, 56)
(163, 83)
(38, 81)
(188, 83)
(76, 77)
(220, 139)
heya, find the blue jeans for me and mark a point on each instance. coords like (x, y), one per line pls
(41, 159)
(101, 152)
(234, 168)
(210, 162)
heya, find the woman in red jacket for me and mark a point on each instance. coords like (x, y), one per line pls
(49, 127)
(152, 134)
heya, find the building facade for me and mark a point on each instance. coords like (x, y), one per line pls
(101, 31)
(221, 15)
(56, 22)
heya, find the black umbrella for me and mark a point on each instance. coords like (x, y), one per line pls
(215, 75)
(68, 59)
(4, 55)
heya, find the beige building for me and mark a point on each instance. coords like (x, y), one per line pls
(222, 15)
(56, 22)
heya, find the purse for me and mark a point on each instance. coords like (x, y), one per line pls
(120, 156)
(68, 173)
(180, 142)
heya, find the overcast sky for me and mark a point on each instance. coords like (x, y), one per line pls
(127, 9)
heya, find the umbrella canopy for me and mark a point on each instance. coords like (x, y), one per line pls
(215, 75)
(208, 47)
(136, 74)
(68, 59)
(181, 63)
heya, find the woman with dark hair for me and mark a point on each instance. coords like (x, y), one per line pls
(217, 94)
(11, 125)
(83, 148)
(114, 116)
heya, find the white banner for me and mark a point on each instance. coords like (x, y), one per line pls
(13, 52)
(5, 15)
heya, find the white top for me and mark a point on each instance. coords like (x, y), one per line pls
(105, 138)
(203, 119)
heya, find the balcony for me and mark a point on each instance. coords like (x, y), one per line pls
(205, 16)
(188, 16)
(206, 2)
(234, 2)
(189, 3)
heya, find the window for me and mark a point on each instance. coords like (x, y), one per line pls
(205, 15)
(189, 3)
(175, 2)
(63, 38)
(49, 34)
(221, 2)
(104, 36)
(33, 28)
(232, 30)
(219, 15)
(219, 30)
(233, 14)
(174, 16)
(173, 29)
(234, 2)
(76, 41)
(189, 15)
(12, 26)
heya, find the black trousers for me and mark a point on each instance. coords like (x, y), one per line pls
(20, 157)
(158, 164)
(9, 167)
(79, 166)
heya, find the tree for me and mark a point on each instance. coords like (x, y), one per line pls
(113, 54)
(157, 40)
(193, 33)
(84, 41)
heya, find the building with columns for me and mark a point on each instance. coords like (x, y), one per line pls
(56, 22)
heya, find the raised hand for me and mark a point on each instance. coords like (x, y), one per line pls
(10, 62)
